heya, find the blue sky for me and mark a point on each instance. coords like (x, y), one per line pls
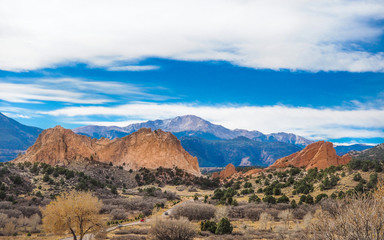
(312, 68)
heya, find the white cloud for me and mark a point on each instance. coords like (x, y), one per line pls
(134, 68)
(13, 115)
(309, 122)
(32, 93)
(354, 142)
(298, 34)
(71, 90)
(107, 124)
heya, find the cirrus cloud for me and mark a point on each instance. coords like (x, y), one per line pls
(71, 91)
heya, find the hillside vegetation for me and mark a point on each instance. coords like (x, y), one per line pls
(280, 202)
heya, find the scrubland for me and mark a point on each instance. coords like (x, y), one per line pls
(344, 202)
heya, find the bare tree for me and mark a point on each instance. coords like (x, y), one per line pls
(265, 218)
(307, 219)
(74, 212)
(34, 221)
(194, 211)
(357, 217)
(172, 229)
(221, 212)
(9, 228)
(286, 216)
(23, 222)
(3, 219)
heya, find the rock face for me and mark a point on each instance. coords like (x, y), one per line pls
(215, 175)
(228, 171)
(144, 148)
(319, 154)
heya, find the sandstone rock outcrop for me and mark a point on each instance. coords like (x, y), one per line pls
(228, 171)
(319, 154)
(144, 148)
(253, 171)
(215, 175)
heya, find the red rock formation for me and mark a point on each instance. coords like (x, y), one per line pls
(228, 171)
(215, 175)
(319, 154)
(144, 148)
(253, 171)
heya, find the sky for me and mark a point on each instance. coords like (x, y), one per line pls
(313, 68)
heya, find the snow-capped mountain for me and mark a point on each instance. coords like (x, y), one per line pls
(191, 126)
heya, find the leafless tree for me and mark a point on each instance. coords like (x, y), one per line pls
(265, 218)
(358, 217)
(172, 229)
(286, 216)
(194, 211)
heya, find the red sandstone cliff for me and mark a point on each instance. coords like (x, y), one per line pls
(144, 148)
(228, 171)
(319, 154)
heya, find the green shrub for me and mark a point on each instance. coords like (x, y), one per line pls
(207, 225)
(114, 190)
(357, 177)
(283, 199)
(269, 199)
(320, 196)
(276, 191)
(309, 199)
(224, 227)
(360, 187)
(46, 178)
(254, 198)
(17, 180)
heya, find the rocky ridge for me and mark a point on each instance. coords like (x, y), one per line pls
(319, 154)
(143, 148)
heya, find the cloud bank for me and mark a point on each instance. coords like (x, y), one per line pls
(312, 123)
(313, 35)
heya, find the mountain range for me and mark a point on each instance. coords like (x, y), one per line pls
(191, 126)
(15, 137)
(376, 153)
(213, 145)
(240, 151)
(341, 150)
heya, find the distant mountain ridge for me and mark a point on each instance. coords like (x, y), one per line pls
(213, 145)
(240, 151)
(373, 154)
(192, 126)
(15, 137)
(341, 150)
